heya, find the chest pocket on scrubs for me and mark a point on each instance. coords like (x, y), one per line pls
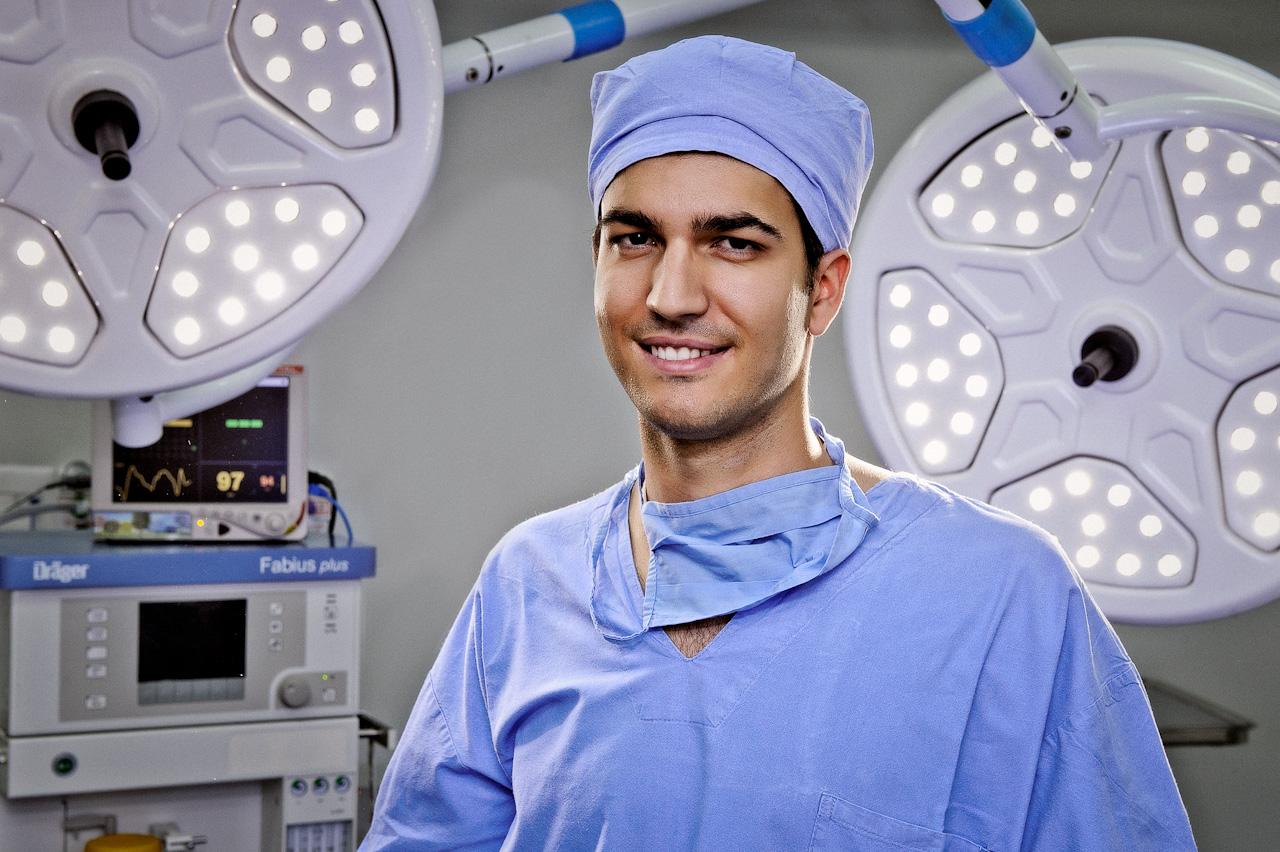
(847, 827)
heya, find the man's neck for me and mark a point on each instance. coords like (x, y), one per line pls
(678, 471)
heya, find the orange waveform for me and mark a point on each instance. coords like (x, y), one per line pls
(176, 483)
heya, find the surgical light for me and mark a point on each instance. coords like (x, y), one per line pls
(184, 196)
(1113, 317)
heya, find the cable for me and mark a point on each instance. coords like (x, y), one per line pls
(324, 493)
(75, 476)
(22, 501)
(38, 509)
(316, 478)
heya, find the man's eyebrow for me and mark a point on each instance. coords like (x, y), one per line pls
(630, 218)
(735, 222)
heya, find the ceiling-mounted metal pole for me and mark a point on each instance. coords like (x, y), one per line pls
(567, 34)
(1003, 34)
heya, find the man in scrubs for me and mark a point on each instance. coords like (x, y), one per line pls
(755, 641)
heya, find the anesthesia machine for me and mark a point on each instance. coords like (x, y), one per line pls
(190, 639)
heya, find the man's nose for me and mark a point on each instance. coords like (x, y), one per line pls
(678, 288)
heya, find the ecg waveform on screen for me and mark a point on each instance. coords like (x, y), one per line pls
(176, 483)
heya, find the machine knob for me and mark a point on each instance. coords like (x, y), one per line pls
(295, 691)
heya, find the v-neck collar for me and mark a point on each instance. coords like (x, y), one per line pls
(725, 553)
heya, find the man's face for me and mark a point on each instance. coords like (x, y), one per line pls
(702, 294)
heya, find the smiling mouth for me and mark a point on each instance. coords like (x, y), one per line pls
(679, 353)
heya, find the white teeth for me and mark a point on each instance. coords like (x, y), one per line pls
(684, 353)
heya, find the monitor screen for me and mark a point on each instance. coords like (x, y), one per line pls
(235, 452)
(233, 472)
(191, 640)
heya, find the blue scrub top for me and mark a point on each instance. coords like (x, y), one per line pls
(948, 685)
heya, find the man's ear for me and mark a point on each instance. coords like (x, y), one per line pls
(828, 289)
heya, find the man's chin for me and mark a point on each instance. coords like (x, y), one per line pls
(691, 426)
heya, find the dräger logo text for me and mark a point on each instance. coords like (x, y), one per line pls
(58, 572)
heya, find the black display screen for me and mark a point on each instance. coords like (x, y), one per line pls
(236, 452)
(191, 640)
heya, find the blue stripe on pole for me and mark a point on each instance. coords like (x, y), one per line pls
(597, 25)
(1000, 35)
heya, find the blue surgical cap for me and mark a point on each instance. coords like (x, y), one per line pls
(754, 103)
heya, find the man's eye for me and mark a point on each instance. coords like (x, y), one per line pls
(738, 244)
(636, 239)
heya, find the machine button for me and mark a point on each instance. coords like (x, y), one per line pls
(341, 784)
(298, 787)
(96, 634)
(295, 691)
(95, 702)
(95, 670)
(64, 764)
(321, 786)
(275, 523)
(275, 643)
(96, 615)
(276, 626)
(275, 608)
(96, 652)
(329, 695)
(330, 612)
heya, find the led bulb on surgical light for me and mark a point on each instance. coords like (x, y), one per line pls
(12, 329)
(313, 38)
(351, 32)
(278, 69)
(237, 213)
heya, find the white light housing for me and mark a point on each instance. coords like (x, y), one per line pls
(339, 65)
(933, 347)
(1004, 189)
(1249, 458)
(1110, 544)
(254, 267)
(1163, 486)
(158, 294)
(45, 315)
(1238, 231)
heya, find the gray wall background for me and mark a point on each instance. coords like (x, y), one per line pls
(463, 389)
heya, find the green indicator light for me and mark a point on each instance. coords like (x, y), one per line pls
(231, 424)
(256, 424)
(64, 764)
(324, 677)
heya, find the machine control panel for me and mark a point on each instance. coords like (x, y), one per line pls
(166, 655)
